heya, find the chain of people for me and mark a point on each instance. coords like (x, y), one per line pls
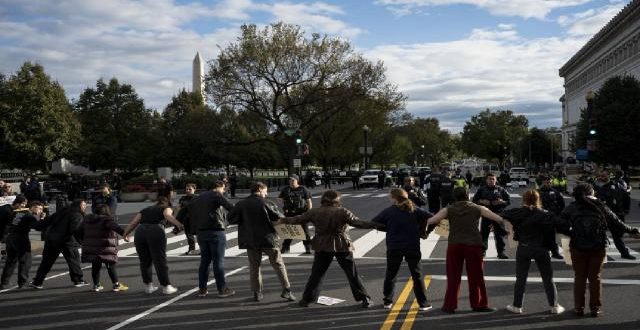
(445, 206)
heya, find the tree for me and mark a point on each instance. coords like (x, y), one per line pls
(117, 127)
(493, 135)
(185, 126)
(429, 142)
(37, 119)
(616, 113)
(538, 144)
(293, 82)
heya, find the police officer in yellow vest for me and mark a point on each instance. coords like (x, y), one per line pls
(559, 182)
(460, 181)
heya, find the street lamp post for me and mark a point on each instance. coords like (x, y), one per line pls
(422, 155)
(366, 129)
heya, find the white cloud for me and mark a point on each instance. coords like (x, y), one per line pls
(522, 8)
(589, 22)
(495, 69)
(149, 44)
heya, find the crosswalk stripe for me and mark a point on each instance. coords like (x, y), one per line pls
(380, 195)
(492, 252)
(427, 246)
(367, 242)
(360, 195)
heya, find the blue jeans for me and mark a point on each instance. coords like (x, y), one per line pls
(212, 245)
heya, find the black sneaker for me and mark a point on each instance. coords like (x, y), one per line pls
(556, 256)
(484, 310)
(501, 255)
(80, 284)
(303, 303)
(596, 312)
(628, 257)
(35, 286)
(286, 294)
(366, 302)
(579, 311)
(257, 296)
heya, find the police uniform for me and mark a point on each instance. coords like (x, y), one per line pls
(492, 194)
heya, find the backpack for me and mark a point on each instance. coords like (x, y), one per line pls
(588, 233)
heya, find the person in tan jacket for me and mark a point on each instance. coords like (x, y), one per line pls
(331, 240)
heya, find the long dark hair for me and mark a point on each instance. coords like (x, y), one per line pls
(580, 193)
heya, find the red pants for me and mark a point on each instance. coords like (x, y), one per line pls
(457, 255)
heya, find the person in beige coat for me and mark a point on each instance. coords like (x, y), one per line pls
(331, 239)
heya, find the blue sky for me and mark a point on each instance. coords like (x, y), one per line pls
(452, 58)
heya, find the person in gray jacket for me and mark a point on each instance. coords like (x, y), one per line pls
(255, 216)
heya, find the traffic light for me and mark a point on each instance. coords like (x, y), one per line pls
(298, 137)
(593, 129)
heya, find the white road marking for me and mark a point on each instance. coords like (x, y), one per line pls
(367, 242)
(427, 246)
(171, 301)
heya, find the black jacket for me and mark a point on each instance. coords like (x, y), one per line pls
(254, 216)
(61, 226)
(492, 194)
(208, 211)
(100, 242)
(533, 227)
(577, 212)
(552, 200)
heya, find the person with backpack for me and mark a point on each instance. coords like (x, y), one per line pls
(552, 201)
(100, 246)
(533, 227)
(296, 200)
(586, 221)
(403, 222)
(61, 228)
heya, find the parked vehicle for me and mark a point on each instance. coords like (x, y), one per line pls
(519, 174)
(370, 177)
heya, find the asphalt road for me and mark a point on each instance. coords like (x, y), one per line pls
(61, 306)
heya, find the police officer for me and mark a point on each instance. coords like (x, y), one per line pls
(460, 181)
(296, 200)
(446, 189)
(432, 186)
(553, 202)
(559, 182)
(496, 199)
(415, 193)
(612, 195)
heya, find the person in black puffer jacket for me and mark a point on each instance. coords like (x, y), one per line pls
(100, 246)
(586, 221)
(532, 228)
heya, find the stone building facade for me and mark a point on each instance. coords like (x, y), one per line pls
(613, 51)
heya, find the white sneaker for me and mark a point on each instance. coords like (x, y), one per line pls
(425, 308)
(149, 288)
(557, 309)
(387, 306)
(514, 309)
(169, 289)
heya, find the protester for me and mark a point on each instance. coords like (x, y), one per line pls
(19, 245)
(586, 221)
(61, 228)
(465, 246)
(331, 240)
(151, 243)
(185, 218)
(7, 213)
(100, 246)
(552, 201)
(255, 216)
(415, 194)
(534, 230)
(296, 200)
(613, 195)
(208, 214)
(403, 222)
(104, 196)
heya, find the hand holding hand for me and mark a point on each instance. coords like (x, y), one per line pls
(126, 238)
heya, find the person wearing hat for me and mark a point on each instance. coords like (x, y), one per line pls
(296, 200)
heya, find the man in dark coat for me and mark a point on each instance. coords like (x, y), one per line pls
(255, 216)
(61, 228)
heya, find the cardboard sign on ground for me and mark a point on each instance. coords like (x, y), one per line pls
(442, 229)
(328, 301)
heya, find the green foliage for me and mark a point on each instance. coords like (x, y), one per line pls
(493, 135)
(37, 119)
(438, 144)
(616, 111)
(117, 127)
(289, 81)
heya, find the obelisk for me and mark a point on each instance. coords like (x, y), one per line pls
(198, 75)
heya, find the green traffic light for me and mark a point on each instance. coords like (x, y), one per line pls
(592, 132)
(298, 140)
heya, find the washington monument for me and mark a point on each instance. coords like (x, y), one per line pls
(198, 75)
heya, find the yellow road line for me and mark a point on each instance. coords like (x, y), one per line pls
(397, 306)
(413, 311)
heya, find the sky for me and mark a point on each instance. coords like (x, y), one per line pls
(451, 58)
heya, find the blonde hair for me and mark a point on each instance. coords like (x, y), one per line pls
(531, 197)
(402, 198)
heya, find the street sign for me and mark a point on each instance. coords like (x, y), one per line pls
(582, 154)
(297, 162)
(369, 150)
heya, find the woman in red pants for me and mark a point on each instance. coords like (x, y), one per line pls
(465, 246)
